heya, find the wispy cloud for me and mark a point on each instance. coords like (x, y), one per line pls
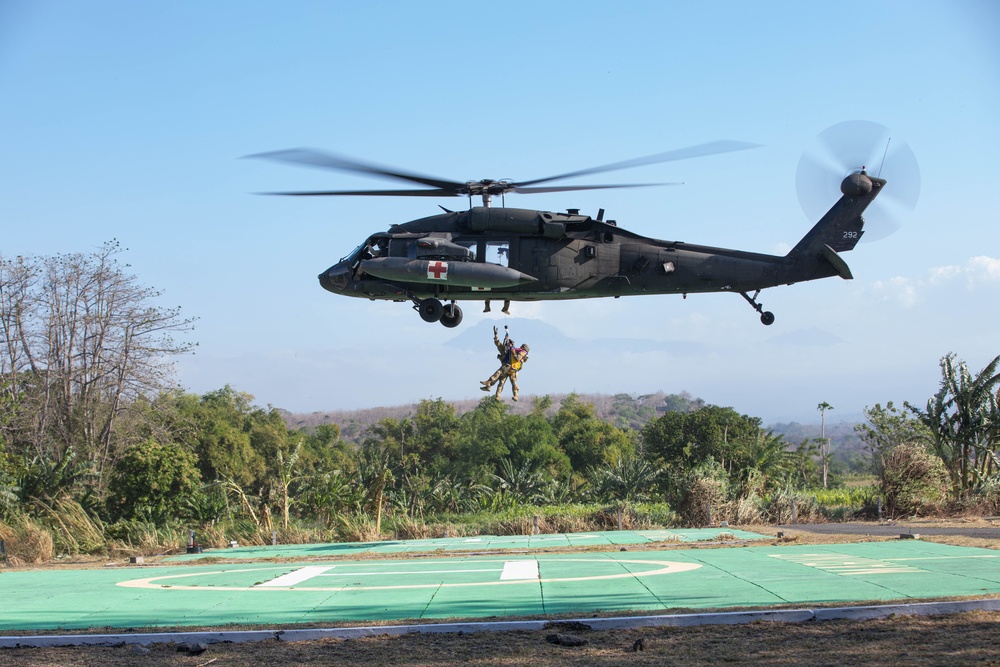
(905, 292)
(908, 292)
(976, 271)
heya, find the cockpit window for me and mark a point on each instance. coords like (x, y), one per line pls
(354, 253)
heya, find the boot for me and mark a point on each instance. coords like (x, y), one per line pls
(506, 307)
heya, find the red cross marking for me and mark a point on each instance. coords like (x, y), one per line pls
(438, 269)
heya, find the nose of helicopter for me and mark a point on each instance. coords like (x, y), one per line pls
(335, 278)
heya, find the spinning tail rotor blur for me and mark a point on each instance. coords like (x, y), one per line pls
(850, 147)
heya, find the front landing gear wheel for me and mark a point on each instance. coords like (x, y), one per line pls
(430, 310)
(452, 316)
(767, 318)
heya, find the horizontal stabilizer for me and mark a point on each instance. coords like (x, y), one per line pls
(837, 261)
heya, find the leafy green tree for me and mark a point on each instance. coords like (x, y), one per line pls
(323, 450)
(766, 461)
(627, 412)
(329, 494)
(964, 420)
(626, 480)
(686, 440)
(482, 441)
(398, 444)
(46, 480)
(435, 434)
(151, 482)
(888, 427)
(221, 436)
(805, 470)
(587, 440)
(455, 496)
(393, 437)
(8, 489)
(375, 475)
(518, 484)
(208, 505)
(287, 473)
(531, 440)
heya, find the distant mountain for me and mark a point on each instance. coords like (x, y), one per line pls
(622, 410)
(619, 409)
(812, 337)
(540, 335)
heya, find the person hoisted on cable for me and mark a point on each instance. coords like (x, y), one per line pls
(512, 358)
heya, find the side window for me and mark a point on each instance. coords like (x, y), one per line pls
(498, 252)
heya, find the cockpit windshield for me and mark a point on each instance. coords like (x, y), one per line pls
(354, 253)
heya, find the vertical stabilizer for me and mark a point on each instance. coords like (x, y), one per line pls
(842, 226)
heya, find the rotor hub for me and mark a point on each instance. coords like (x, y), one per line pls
(856, 184)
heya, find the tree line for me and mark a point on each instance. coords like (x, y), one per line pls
(96, 446)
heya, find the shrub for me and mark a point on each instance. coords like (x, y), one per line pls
(912, 480)
(700, 494)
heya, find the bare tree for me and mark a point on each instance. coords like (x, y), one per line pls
(82, 340)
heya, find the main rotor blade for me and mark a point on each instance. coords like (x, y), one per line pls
(574, 188)
(701, 150)
(439, 192)
(313, 158)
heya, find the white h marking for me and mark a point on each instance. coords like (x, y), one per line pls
(513, 570)
(519, 569)
(295, 577)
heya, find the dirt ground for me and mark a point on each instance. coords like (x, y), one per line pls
(961, 639)
(956, 640)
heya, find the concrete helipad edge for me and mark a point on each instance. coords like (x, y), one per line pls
(616, 623)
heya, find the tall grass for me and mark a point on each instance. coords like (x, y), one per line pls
(73, 529)
(27, 542)
(65, 527)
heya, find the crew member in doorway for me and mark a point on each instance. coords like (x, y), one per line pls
(512, 358)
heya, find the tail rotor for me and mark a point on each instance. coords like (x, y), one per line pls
(851, 147)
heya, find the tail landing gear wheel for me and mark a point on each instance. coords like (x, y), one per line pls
(430, 310)
(766, 316)
(452, 316)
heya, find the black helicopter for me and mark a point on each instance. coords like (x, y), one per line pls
(526, 255)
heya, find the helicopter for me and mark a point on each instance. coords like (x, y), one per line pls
(487, 253)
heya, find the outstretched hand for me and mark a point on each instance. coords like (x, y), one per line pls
(494, 331)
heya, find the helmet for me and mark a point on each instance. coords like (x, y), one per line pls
(524, 346)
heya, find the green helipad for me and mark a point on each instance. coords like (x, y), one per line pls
(476, 586)
(480, 543)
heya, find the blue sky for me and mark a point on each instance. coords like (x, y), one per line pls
(128, 120)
